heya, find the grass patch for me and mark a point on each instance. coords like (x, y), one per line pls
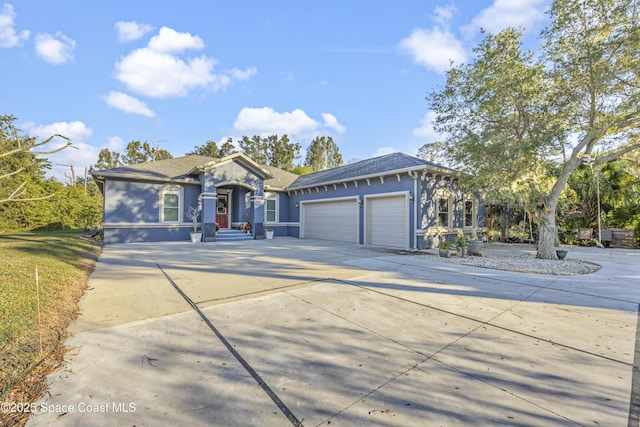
(64, 260)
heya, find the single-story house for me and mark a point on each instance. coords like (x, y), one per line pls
(396, 200)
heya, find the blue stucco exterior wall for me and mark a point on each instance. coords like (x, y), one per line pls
(127, 201)
(132, 212)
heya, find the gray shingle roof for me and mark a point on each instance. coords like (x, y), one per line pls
(179, 168)
(167, 169)
(281, 178)
(388, 164)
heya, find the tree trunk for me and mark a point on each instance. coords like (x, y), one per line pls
(547, 235)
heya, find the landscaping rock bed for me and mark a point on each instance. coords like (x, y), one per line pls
(523, 264)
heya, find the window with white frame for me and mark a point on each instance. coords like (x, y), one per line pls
(469, 213)
(271, 208)
(443, 210)
(170, 210)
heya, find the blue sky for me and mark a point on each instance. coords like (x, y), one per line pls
(182, 73)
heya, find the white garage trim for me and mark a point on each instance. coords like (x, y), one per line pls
(386, 220)
(330, 219)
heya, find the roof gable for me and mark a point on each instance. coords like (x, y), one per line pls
(235, 157)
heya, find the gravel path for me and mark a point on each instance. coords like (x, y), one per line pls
(520, 262)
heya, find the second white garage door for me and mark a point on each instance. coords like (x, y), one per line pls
(387, 221)
(330, 220)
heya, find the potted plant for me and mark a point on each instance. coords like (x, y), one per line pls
(443, 248)
(461, 242)
(474, 247)
(561, 253)
(193, 214)
(247, 227)
(268, 233)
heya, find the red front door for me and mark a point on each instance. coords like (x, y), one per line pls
(222, 212)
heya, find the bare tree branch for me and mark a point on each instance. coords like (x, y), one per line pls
(11, 173)
(38, 144)
(16, 195)
(27, 199)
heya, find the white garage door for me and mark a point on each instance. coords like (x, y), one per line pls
(331, 220)
(387, 221)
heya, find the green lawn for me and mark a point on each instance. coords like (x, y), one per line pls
(64, 260)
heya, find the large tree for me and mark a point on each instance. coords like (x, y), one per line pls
(282, 152)
(143, 152)
(108, 159)
(136, 152)
(323, 154)
(434, 152)
(255, 148)
(272, 150)
(509, 112)
(211, 149)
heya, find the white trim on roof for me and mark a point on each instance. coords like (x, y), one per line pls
(375, 175)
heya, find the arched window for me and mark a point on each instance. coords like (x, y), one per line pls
(170, 204)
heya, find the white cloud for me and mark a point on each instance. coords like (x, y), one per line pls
(160, 75)
(508, 13)
(243, 74)
(265, 121)
(221, 81)
(434, 48)
(115, 143)
(296, 124)
(438, 47)
(8, 35)
(56, 49)
(131, 30)
(426, 130)
(443, 14)
(76, 131)
(128, 104)
(171, 41)
(331, 122)
(157, 71)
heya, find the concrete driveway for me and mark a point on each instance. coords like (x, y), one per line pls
(291, 332)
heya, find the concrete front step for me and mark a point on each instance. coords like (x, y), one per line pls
(233, 236)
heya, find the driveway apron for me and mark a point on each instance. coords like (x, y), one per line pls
(306, 332)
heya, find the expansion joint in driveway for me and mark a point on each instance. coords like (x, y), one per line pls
(285, 410)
